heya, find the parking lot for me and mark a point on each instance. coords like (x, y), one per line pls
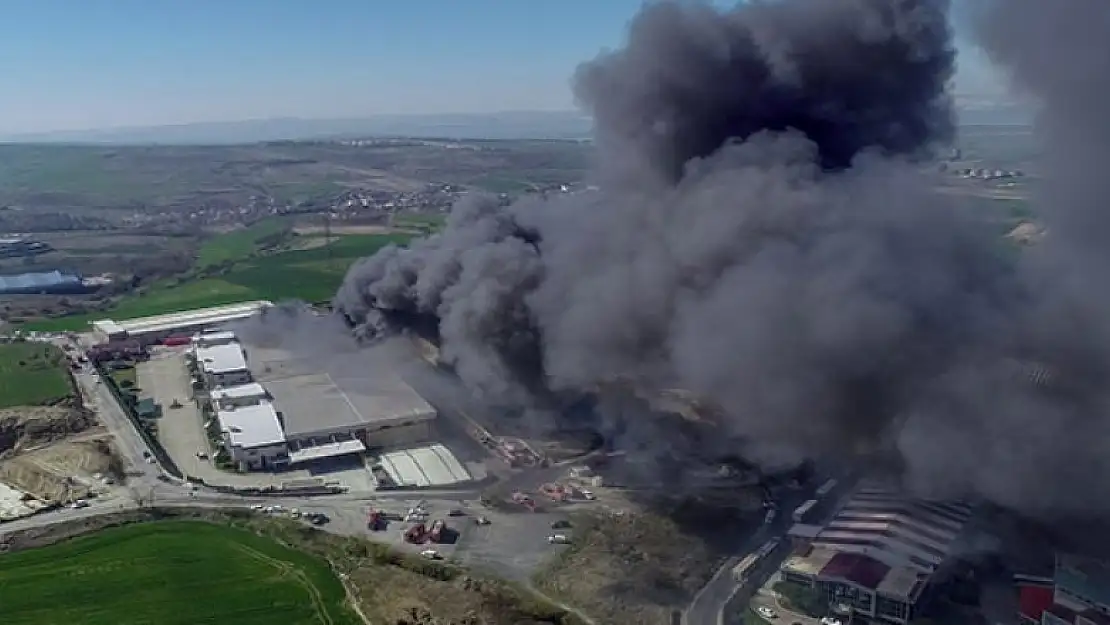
(513, 545)
(180, 430)
(165, 378)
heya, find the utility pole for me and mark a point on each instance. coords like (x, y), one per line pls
(327, 240)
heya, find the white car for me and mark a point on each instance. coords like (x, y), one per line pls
(257, 506)
(828, 620)
(588, 495)
(430, 554)
(558, 539)
(80, 503)
(766, 612)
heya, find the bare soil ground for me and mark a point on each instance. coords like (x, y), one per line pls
(52, 452)
(628, 567)
(24, 428)
(64, 471)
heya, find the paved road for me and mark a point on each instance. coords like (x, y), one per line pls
(111, 415)
(710, 603)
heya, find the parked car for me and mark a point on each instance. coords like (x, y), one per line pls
(766, 612)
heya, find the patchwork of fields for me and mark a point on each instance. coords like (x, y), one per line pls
(236, 267)
(170, 573)
(32, 374)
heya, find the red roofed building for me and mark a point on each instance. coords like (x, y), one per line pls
(857, 583)
(1033, 600)
(878, 553)
(857, 569)
(1078, 593)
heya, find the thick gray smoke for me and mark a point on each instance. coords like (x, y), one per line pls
(764, 238)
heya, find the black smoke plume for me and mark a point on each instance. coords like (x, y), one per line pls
(766, 237)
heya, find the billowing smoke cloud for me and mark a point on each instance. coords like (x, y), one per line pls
(764, 237)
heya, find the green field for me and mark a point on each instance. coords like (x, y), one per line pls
(311, 275)
(237, 245)
(32, 374)
(169, 573)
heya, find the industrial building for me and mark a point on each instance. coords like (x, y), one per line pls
(46, 283)
(12, 246)
(234, 396)
(213, 338)
(150, 330)
(333, 413)
(253, 436)
(878, 554)
(1078, 593)
(223, 365)
(432, 465)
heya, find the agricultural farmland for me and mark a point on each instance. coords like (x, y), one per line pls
(170, 573)
(249, 273)
(32, 374)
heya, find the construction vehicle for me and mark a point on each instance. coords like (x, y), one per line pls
(436, 533)
(416, 534)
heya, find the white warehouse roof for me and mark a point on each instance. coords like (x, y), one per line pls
(226, 358)
(187, 319)
(214, 338)
(248, 427)
(107, 327)
(252, 390)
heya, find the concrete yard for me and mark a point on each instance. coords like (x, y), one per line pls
(513, 545)
(181, 430)
(430, 465)
(350, 471)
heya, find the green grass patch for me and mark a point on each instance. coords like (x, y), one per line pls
(32, 374)
(312, 275)
(239, 244)
(801, 599)
(125, 378)
(170, 573)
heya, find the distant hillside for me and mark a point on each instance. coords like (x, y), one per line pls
(504, 125)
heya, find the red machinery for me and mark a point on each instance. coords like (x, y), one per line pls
(524, 500)
(556, 492)
(374, 520)
(438, 527)
(416, 534)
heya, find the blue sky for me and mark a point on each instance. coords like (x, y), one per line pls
(79, 64)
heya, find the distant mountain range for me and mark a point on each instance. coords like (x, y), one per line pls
(504, 125)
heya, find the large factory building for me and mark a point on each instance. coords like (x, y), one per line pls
(879, 553)
(332, 409)
(150, 330)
